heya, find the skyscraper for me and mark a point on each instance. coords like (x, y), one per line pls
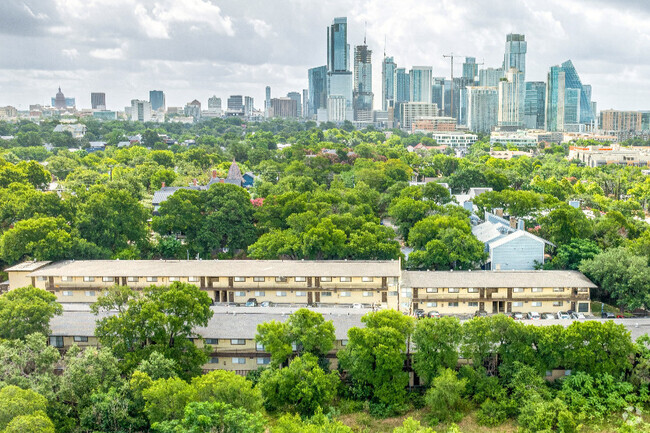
(534, 104)
(98, 101)
(140, 111)
(420, 88)
(482, 108)
(470, 69)
(317, 89)
(515, 55)
(284, 107)
(214, 103)
(402, 85)
(568, 102)
(339, 76)
(267, 102)
(193, 109)
(511, 99)
(489, 77)
(157, 100)
(248, 106)
(236, 103)
(388, 67)
(305, 103)
(363, 96)
(295, 96)
(438, 92)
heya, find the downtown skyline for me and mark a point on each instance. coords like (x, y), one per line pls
(224, 49)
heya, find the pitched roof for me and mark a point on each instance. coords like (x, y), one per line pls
(28, 266)
(516, 235)
(488, 231)
(234, 173)
(495, 279)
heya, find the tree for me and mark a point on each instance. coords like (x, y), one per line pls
(158, 367)
(455, 249)
(227, 387)
(165, 399)
(206, 417)
(291, 423)
(436, 192)
(445, 397)
(437, 343)
(38, 422)
(27, 310)
(155, 319)
(406, 212)
(16, 402)
(110, 411)
(564, 224)
(412, 426)
(433, 227)
(301, 387)
(570, 256)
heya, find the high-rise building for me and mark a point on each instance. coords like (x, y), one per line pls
(534, 104)
(305, 103)
(438, 92)
(236, 103)
(388, 67)
(411, 111)
(337, 110)
(511, 99)
(621, 121)
(568, 101)
(267, 101)
(248, 106)
(402, 85)
(98, 101)
(296, 97)
(470, 69)
(420, 88)
(490, 77)
(193, 109)
(157, 100)
(317, 90)
(214, 103)
(140, 110)
(284, 108)
(339, 76)
(363, 97)
(515, 55)
(482, 108)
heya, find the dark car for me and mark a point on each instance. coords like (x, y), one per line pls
(480, 313)
(252, 302)
(434, 314)
(419, 313)
(608, 316)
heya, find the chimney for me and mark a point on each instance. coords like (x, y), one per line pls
(521, 225)
(513, 222)
(163, 185)
(194, 182)
(214, 174)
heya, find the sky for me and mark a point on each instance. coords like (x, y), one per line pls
(193, 49)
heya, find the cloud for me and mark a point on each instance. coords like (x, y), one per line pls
(108, 53)
(71, 52)
(260, 27)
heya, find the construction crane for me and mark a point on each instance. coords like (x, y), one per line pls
(451, 60)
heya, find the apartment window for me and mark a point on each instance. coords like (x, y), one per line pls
(472, 304)
(108, 279)
(301, 293)
(300, 279)
(453, 304)
(344, 342)
(240, 294)
(280, 279)
(260, 293)
(67, 293)
(432, 304)
(344, 294)
(259, 347)
(89, 279)
(367, 279)
(453, 290)
(518, 304)
(214, 360)
(64, 278)
(41, 278)
(172, 279)
(325, 294)
(583, 307)
(264, 360)
(326, 279)
(432, 290)
(394, 293)
(518, 290)
(537, 289)
(472, 290)
(367, 294)
(212, 341)
(152, 279)
(90, 293)
(239, 360)
(56, 341)
(558, 303)
(392, 281)
(193, 279)
(240, 279)
(536, 304)
(567, 372)
(281, 294)
(558, 289)
(294, 346)
(132, 279)
(258, 279)
(237, 342)
(346, 279)
(80, 339)
(549, 373)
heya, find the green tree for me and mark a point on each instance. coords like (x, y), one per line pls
(38, 422)
(445, 397)
(290, 423)
(437, 342)
(205, 417)
(110, 411)
(437, 193)
(570, 256)
(406, 212)
(412, 426)
(564, 224)
(27, 310)
(16, 402)
(165, 399)
(227, 387)
(158, 367)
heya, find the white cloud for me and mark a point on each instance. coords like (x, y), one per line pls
(70, 52)
(108, 53)
(261, 27)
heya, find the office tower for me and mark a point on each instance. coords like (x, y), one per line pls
(420, 88)
(410, 111)
(236, 103)
(140, 110)
(214, 103)
(317, 89)
(363, 96)
(267, 101)
(470, 69)
(388, 67)
(296, 97)
(568, 103)
(511, 99)
(490, 77)
(534, 105)
(482, 108)
(515, 55)
(339, 76)
(248, 106)
(193, 109)
(337, 110)
(305, 103)
(438, 92)
(98, 101)
(402, 85)
(284, 107)
(157, 100)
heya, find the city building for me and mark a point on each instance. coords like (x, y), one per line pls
(363, 97)
(410, 111)
(236, 104)
(193, 109)
(388, 67)
(420, 83)
(434, 124)
(402, 85)
(535, 105)
(78, 130)
(470, 69)
(267, 101)
(512, 92)
(568, 102)
(458, 140)
(490, 77)
(515, 54)
(140, 111)
(305, 102)
(621, 124)
(286, 108)
(337, 110)
(516, 138)
(438, 92)
(61, 102)
(317, 90)
(214, 103)
(598, 156)
(98, 101)
(157, 100)
(248, 106)
(296, 97)
(339, 76)
(8, 112)
(482, 108)
(105, 115)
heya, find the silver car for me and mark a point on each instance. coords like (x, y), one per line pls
(563, 315)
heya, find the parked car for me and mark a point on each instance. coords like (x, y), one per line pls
(480, 313)
(357, 305)
(577, 316)
(419, 313)
(548, 316)
(563, 315)
(266, 304)
(533, 315)
(518, 316)
(433, 314)
(252, 302)
(608, 315)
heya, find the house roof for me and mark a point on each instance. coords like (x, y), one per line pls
(516, 235)
(486, 279)
(487, 231)
(234, 173)
(220, 268)
(28, 266)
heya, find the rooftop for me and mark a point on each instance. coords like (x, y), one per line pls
(27, 266)
(495, 279)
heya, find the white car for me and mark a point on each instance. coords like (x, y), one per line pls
(533, 315)
(577, 316)
(357, 306)
(563, 315)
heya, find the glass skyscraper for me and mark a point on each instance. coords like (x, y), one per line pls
(515, 55)
(420, 88)
(402, 85)
(470, 69)
(339, 76)
(535, 104)
(568, 102)
(317, 89)
(363, 96)
(388, 67)
(157, 100)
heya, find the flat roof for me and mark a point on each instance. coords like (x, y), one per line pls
(495, 279)
(220, 268)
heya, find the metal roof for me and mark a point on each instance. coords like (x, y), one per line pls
(27, 266)
(495, 279)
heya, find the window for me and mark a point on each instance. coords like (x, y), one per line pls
(453, 304)
(240, 279)
(536, 304)
(344, 342)
(392, 281)
(301, 293)
(65, 278)
(89, 279)
(212, 341)
(80, 339)
(583, 307)
(237, 342)
(472, 304)
(258, 279)
(432, 290)
(260, 293)
(214, 360)
(280, 279)
(549, 373)
(324, 294)
(472, 290)
(239, 360)
(259, 347)
(281, 294)
(294, 346)
(367, 294)
(56, 341)
(344, 294)
(132, 279)
(518, 304)
(172, 279)
(152, 279)
(394, 293)
(90, 293)
(300, 279)
(265, 360)
(240, 294)
(67, 293)
(345, 279)
(367, 279)
(453, 290)
(558, 303)
(558, 289)
(193, 279)
(567, 372)
(41, 278)
(326, 279)
(432, 304)
(518, 290)
(108, 279)
(537, 289)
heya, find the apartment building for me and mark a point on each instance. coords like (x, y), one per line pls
(465, 292)
(226, 281)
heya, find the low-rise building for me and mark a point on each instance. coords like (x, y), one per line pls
(597, 156)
